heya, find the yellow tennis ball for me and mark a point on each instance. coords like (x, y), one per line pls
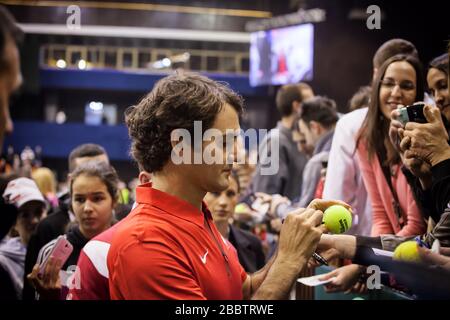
(240, 208)
(407, 251)
(337, 219)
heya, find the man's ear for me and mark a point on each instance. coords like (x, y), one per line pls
(296, 107)
(145, 177)
(315, 127)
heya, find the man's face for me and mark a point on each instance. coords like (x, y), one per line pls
(215, 177)
(10, 81)
(309, 135)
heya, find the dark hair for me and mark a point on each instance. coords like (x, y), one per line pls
(391, 48)
(375, 128)
(83, 151)
(360, 99)
(8, 30)
(286, 95)
(319, 109)
(6, 178)
(103, 171)
(440, 63)
(235, 176)
(175, 102)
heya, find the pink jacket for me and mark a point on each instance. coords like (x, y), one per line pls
(384, 219)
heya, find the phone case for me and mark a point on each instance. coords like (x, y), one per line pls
(61, 250)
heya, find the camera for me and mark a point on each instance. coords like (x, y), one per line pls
(412, 113)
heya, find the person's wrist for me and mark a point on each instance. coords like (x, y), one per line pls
(346, 245)
(290, 264)
(440, 156)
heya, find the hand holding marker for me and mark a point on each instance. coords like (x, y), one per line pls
(337, 219)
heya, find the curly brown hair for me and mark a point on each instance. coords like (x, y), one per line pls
(175, 102)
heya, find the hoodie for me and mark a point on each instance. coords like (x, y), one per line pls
(12, 260)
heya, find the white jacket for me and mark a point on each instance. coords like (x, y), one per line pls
(344, 181)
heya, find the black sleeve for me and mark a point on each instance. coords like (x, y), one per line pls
(373, 242)
(422, 197)
(8, 216)
(441, 185)
(7, 290)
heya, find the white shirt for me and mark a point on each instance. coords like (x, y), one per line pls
(344, 181)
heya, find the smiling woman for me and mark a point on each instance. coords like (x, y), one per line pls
(399, 81)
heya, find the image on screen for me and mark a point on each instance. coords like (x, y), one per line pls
(282, 56)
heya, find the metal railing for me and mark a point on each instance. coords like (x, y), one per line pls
(142, 59)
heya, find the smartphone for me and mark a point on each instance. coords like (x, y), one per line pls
(61, 251)
(412, 113)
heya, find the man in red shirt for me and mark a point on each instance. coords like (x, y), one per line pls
(169, 248)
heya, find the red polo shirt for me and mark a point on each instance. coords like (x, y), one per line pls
(168, 249)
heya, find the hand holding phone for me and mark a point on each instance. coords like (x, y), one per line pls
(412, 113)
(60, 251)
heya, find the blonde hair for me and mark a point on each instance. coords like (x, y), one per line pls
(45, 180)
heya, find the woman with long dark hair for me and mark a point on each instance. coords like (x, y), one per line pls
(399, 81)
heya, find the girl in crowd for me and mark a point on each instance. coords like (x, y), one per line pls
(222, 206)
(94, 194)
(398, 82)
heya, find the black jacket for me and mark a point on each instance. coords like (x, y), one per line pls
(78, 241)
(249, 249)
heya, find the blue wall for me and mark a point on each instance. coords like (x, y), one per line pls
(58, 140)
(119, 80)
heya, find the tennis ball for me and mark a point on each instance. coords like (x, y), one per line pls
(240, 208)
(407, 251)
(337, 219)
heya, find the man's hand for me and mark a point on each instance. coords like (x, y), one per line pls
(335, 246)
(299, 236)
(427, 141)
(322, 204)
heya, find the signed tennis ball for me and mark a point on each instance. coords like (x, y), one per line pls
(337, 219)
(407, 251)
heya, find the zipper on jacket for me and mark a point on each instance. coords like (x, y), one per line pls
(224, 255)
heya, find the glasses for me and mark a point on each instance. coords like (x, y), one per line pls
(404, 85)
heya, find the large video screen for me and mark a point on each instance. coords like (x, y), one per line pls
(282, 56)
